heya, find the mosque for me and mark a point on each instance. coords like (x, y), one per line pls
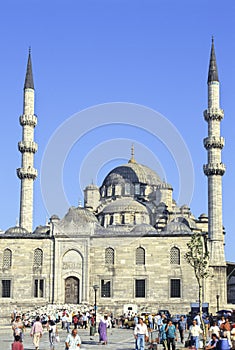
(126, 245)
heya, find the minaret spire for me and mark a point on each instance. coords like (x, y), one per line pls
(28, 84)
(27, 173)
(213, 71)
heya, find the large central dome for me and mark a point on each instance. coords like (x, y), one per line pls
(131, 179)
(134, 173)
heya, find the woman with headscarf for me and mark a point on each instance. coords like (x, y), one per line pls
(102, 330)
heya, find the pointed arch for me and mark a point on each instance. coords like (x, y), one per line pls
(175, 256)
(109, 256)
(140, 256)
(38, 257)
(7, 258)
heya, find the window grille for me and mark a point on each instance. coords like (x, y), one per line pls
(175, 291)
(38, 288)
(140, 288)
(7, 258)
(175, 256)
(105, 289)
(38, 258)
(109, 256)
(6, 288)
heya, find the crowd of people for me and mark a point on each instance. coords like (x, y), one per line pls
(188, 332)
(153, 329)
(66, 319)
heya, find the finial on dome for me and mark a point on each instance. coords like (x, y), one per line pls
(132, 160)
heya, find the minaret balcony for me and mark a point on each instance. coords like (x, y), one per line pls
(213, 114)
(27, 173)
(213, 142)
(214, 169)
(27, 146)
(28, 119)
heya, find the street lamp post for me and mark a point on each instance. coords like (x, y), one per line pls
(217, 299)
(95, 287)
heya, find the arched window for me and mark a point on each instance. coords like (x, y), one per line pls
(38, 257)
(111, 220)
(109, 256)
(127, 189)
(140, 256)
(175, 256)
(7, 258)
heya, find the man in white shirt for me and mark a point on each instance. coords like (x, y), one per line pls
(140, 334)
(73, 341)
(194, 332)
(198, 319)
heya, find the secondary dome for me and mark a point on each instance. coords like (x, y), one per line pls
(16, 230)
(125, 211)
(80, 215)
(126, 205)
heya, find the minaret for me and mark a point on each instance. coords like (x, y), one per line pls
(27, 174)
(214, 169)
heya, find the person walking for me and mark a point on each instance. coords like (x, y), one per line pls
(162, 334)
(214, 329)
(194, 333)
(182, 327)
(17, 327)
(171, 335)
(225, 327)
(102, 330)
(52, 331)
(140, 334)
(36, 332)
(73, 341)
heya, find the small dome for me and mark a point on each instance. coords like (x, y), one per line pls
(203, 218)
(175, 227)
(16, 230)
(125, 205)
(42, 230)
(54, 217)
(80, 215)
(187, 221)
(92, 187)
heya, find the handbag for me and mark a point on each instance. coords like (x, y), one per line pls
(187, 343)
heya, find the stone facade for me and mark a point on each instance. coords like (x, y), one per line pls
(130, 238)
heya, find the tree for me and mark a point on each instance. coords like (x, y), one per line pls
(198, 257)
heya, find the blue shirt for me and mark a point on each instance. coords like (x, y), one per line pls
(171, 331)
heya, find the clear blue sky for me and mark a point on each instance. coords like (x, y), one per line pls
(151, 53)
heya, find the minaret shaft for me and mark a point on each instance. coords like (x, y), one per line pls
(27, 174)
(214, 169)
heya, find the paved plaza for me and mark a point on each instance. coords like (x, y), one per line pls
(117, 339)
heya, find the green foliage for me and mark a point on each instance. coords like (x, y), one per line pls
(198, 256)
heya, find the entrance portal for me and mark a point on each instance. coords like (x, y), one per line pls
(72, 290)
